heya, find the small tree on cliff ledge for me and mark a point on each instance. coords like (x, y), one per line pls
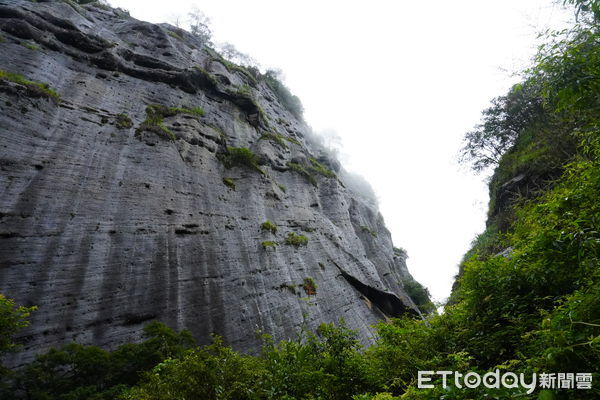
(200, 26)
(501, 124)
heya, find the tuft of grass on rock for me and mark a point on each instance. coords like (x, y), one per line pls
(269, 226)
(123, 121)
(164, 111)
(292, 140)
(275, 138)
(155, 114)
(240, 157)
(400, 252)
(289, 286)
(174, 35)
(319, 168)
(154, 122)
(268, 243)
(209, 79)
(231, 67)
(31, 46)
(368, 230)
(302, 171)
(230, 183)
(34, 89)
(296, 240)
(198, 111)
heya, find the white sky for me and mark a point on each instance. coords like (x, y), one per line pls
(400, 82)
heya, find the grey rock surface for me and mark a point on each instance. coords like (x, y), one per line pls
(106, 226)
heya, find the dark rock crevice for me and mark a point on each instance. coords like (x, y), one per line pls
(388, 303)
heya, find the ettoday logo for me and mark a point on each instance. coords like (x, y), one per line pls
(508, 380)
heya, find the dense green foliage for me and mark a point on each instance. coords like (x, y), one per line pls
(76, 372)
(293, 239)
(419, 295)
(12, 319)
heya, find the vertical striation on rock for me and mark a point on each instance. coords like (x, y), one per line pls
(117, 205)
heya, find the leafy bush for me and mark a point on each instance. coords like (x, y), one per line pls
(268, 243)
(240, 157)
(210, 372)
(31, 46)
(310, 286)
(296, 240)
(165, 111)
(12, 319)
(208, 80)
(155, 123)
(419, 295)
(269, 226)
(242, 96)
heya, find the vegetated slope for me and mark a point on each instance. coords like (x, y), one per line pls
(527, 297)
(138, 170)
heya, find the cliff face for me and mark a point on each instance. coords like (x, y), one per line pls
(114, 213)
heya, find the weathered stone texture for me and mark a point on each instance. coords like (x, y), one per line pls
(105, 228)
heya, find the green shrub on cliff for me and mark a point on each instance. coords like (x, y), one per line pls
(293, 239)
(240, 157)
(419, 295)
(269, 226)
